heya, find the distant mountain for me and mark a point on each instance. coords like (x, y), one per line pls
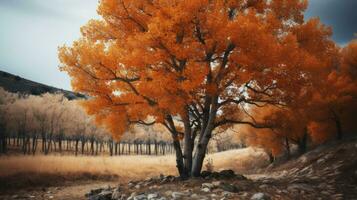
(13, 83)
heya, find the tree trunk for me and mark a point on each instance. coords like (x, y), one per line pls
(76, 147)
(302, 143)
(287, 146)
(179, 159)
(187, 146)
(339, 129)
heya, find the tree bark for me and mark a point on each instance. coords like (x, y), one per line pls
(302, 144)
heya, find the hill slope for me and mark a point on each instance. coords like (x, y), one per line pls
(13, 83)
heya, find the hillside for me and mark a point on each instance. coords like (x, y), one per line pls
(13, 83)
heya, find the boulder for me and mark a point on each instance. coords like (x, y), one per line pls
(229, 187)
(206, 190)
(260, 196)
(104, 195)
(227, 173)
(153, 196)
(179, 195)
(140, 197)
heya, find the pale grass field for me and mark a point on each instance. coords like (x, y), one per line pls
(127, 167)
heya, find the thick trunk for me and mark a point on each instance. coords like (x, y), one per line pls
(204, 139)
(187, 147)
(179, 159)
(200, 154)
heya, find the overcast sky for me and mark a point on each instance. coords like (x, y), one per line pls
(31, 31)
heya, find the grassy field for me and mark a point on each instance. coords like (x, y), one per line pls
(22, 171)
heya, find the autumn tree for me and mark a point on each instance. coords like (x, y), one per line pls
(335, 102)
(193, 66)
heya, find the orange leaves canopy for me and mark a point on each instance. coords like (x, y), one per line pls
(155, 58)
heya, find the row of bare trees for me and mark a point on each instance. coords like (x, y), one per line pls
(53, 124)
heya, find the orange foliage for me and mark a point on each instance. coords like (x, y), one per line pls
(150, 59)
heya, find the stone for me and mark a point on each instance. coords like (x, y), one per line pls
(207, 185)
(206, 190)
(244, 194)
(205, 174)
(264, 186)
(300, 187)
(179, 195)
(153, 196)
(116, 194)
(94, 192)
(140, 197)
(227, 173)
(227, 194)
(216, 184)
(104, 195)
(260, 196)
(213, 195)
(229, 187)
(168, 193)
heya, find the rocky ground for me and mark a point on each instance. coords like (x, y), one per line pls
(327, 172)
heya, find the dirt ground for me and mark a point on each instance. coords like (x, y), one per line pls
(328, 172)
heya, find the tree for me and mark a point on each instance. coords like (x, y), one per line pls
(335, 102)
(193, 66)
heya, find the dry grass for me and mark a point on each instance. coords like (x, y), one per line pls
(22, 171)
(123, 166)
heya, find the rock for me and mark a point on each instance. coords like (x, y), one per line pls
(244, 194)
(205, 174)
(216, 184)
(229, 187)
(168, 193)
(138, 186)
(153, 196)
(227, 173)
(194, 196)
(94, 192)
(116, 194)
(140, 197)
(167, 179)
(132, 195)
(213, 195)
(264, 186)
(241, 177)
(300, 187)
(104, 195)
(179, 195)
(227, 194)
(260, 196)
(206, 189)
(207, 185)
(131, 184)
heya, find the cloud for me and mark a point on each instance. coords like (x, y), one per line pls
(340, 14)
(55, 9)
